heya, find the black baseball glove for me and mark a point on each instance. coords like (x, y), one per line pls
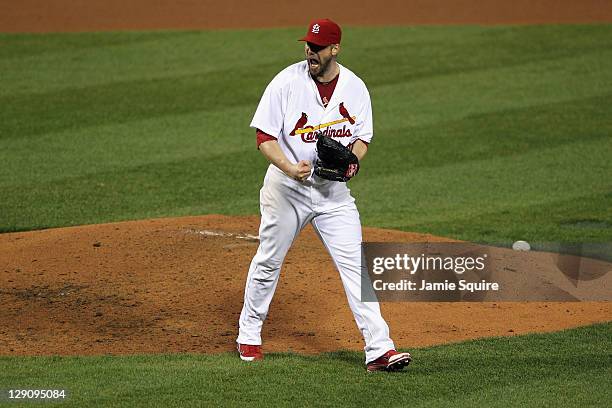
(336, 162)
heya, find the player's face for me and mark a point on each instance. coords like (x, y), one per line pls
(319, 58)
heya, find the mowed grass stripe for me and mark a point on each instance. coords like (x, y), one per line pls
(80, 60)
(430, 52)
(490, 134)
(150, 190)
(205, 133)
(129, 100)
(454, 96)
(571, 367)
(581, 219)
(200, 134)
(432, 194)
(113, 147)
(96, 58)
(481, 185)
(122, 102)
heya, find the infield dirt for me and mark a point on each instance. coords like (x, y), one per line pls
(175, 285)
(78, 15)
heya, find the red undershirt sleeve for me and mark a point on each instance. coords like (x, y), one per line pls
(263, 137)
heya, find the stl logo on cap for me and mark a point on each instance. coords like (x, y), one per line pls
(323, 32)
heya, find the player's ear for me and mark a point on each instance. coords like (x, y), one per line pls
(335, 49)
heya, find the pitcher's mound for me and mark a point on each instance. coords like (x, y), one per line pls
(176, 285)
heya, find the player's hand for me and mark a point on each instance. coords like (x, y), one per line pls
(301, 170)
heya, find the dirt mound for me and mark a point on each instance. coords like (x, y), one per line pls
(78, 15)
(176, 285)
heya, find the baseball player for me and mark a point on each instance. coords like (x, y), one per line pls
(313, 101)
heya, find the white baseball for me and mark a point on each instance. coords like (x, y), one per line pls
(521, 246)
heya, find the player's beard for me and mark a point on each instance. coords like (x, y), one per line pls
(322, 68)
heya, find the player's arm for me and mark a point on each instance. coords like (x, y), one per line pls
(275, 155)
(360, 148)
(365, 127)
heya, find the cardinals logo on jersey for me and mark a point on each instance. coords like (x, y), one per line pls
(301, 122)
(345, 113)
(307, 132)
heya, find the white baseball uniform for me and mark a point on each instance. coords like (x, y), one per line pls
(292, 110)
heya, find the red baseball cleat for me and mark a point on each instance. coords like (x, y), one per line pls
(390, 361)
(250, 352)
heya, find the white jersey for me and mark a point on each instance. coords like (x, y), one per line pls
(292, 111)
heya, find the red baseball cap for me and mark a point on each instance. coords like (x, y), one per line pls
(323, 32)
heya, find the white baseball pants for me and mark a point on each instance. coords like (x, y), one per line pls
(286, 207)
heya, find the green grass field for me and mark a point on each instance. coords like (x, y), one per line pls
(481, 133)
(569, 368)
